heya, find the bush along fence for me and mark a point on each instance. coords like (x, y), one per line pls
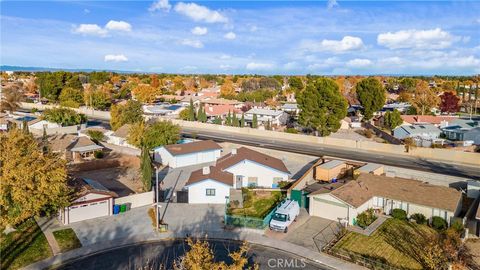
(250, 222)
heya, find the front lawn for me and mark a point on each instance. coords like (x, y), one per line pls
(396, 242)
(257, 203)
(24, 246)
(67, 239)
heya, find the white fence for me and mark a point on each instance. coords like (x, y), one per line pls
(137, 200)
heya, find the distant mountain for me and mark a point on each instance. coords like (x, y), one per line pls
(38, 69)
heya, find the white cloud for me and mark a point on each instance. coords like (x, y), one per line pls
(90, 29)
(290, 66)
(359, 63)
(225, 56)
(86, 11)
(225, 67)
(419, 39)
(115, 58)
(200, 13)
(331, 4)
(160, 5)
(199, 31)
(192, 43)
(259, 66)
(253, 28)
(230, 35)
(118, 26)
(347, 43)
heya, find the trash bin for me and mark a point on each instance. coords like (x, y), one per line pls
(129, 206)
(123, 208)
(116, 209)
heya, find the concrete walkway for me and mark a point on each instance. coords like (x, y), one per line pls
(371, 228)
(47, 225)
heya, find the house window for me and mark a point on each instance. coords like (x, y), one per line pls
(252, 181)
(378, 202)
(276, 180)
(210, 192)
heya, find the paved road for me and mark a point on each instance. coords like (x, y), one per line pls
(164, 252)
(323, 150)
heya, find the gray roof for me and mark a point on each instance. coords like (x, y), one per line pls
(268, 112)
(369, 167)
(463, 124)
(290, 106)
(331, 164)
(419, 129)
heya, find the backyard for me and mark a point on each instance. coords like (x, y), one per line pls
(24, 246)
(397, 243)
(256, 203)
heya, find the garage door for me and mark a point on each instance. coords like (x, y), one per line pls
(327, 209)
(88, 211)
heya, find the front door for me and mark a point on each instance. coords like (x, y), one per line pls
(239, 181)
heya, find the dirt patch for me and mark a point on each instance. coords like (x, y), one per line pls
(474, 246)
(118, 173)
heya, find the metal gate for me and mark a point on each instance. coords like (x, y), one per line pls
(182, 196)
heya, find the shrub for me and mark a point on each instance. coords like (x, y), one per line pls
(284, 184)
(399, 214)
(64, 116)
(291, 130)
(439, 223)
(368, 133)
(366, 218)
(457, 226)
(419, 218)
(96, 135)
(98, 154)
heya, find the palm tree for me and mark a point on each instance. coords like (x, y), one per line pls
(11, 98)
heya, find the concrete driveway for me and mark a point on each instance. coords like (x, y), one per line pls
(104, 229)
(314, 234)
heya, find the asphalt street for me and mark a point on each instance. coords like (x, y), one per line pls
(345, 153)
(162, 255)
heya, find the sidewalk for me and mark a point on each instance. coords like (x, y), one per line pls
(47, 225)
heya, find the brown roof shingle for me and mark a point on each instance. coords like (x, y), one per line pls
(64, 142)
(187, 148)
(82, 187)
(244, 153)
(358, 192)
(215, 174)
(123, 131)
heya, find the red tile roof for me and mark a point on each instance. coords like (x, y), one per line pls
(432, 119)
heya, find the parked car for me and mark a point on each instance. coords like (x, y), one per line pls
(284, 216)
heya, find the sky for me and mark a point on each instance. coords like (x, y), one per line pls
(245, 37)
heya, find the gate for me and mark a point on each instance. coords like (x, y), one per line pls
(182, 196)
(301, 197)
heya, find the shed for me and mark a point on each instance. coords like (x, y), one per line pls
(372, 168)
(330, 170)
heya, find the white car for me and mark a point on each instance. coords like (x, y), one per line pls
(284, 216)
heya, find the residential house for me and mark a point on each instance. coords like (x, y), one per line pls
(162, 109)
(221, 111)
(90, 199)
(400, 106)
(242, 167)
(222, 101)
(291, 108)
(196, 100)
(119, 137)
(438, 121)
(276, 117)
(422, 131)
(73, 148)
(385, 194)
(463, 130)
(187, 154)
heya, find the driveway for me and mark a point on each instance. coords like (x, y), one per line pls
(104, 229)
(314, 234)
(193, 218)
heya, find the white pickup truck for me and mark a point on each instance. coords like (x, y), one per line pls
(284, 216)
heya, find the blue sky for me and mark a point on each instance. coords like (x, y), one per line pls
(261, 37)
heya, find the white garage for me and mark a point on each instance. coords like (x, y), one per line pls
(92, 200)
(328, 207)
(187, 154)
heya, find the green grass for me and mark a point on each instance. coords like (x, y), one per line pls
(396, 242)
(67, 239)
(24, 246)
(258, 204)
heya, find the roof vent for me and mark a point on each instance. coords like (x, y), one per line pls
(234, 151)
(206, 170)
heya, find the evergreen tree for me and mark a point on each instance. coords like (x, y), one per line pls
(242, 121)
(268, 125)
(254, 121)
(45, 147)
(146, 167)
(191, 111)
(228, 120)
(371, 95)
(217, 120)
(322, 106)
(235, 120)
(392, 119)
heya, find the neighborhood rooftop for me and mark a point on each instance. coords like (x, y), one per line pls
(268, 112)
(244, 153)
(187, 148)
(214, 174)
(331, 164)
(122, 132)
(367, 186)
(83, 186)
